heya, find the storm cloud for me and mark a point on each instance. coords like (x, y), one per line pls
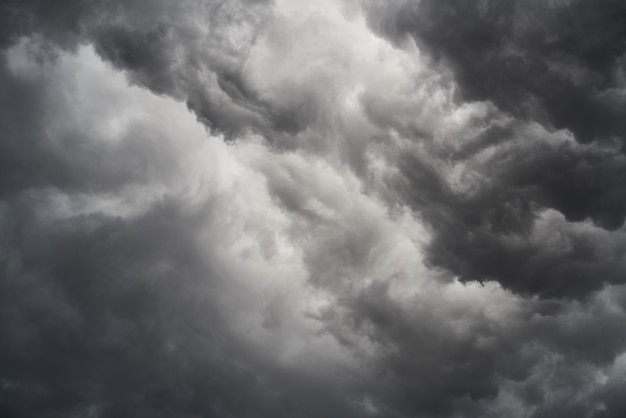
(340, 208)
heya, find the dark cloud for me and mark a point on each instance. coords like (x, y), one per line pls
(116, 318)
(182, 50)
(61, 21)
(554, 62)
(558, 64)
(491, 233)
(255, 209)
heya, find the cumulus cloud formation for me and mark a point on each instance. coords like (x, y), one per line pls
(340, 208)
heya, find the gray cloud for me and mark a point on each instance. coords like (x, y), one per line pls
(554, 62)
(255, 209)
(551, 64)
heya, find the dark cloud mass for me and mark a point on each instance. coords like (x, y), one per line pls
(340, 208)
(559, 62)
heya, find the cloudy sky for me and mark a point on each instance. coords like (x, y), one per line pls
(312, 209)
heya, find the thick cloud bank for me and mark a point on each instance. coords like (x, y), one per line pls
(337, 208)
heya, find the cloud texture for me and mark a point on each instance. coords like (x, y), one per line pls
(338, 208)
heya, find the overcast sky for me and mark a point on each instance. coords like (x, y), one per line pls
(312, 209)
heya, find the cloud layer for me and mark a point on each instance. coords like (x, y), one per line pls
(312, 209)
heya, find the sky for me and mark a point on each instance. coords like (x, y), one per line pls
(312, 209)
